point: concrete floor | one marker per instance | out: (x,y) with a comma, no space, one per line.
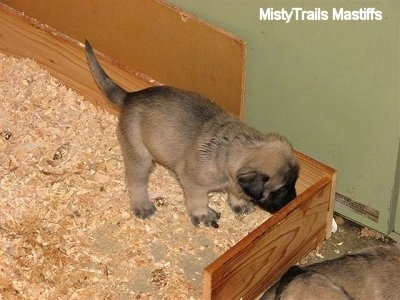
(349,237)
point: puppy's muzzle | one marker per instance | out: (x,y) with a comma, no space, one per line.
(277,199)
(253,184)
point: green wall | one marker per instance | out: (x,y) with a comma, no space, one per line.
(332,87)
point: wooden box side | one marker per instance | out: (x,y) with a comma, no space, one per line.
(258,260)
(63,57)
(153,38)
(310,171)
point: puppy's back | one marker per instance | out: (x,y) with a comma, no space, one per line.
(372,273)
(171,100)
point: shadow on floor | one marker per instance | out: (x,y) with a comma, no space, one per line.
(349,237)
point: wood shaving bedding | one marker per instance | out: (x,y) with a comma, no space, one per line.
(66,229)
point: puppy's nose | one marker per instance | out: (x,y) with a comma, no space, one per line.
(292,193)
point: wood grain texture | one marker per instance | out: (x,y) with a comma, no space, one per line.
(258,260)
(156,39)
(311,171)
(63,57)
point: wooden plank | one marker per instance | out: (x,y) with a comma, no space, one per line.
(153,38)
(329,215)
(61,56)
(257,261)
(311,170)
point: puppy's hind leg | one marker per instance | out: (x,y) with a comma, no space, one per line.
(137,171)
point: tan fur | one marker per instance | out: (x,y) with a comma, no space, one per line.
(207,148)
(373,273)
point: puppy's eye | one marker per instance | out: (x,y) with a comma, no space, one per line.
(249,175)
(252,183)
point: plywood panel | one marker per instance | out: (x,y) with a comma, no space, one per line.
(261,257)
(310,172)
(63,57)
(155,39)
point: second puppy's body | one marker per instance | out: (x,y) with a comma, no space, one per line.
(372,273)
(206,147)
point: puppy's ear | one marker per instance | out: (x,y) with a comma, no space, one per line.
(287,278)
(292,175)
(252,183)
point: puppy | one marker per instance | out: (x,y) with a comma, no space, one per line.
(372,273)
(207,148)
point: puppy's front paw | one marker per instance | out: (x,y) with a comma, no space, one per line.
(242,208)
(144,212)
(208,218)
(239,205)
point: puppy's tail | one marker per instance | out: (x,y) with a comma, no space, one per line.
(114,92)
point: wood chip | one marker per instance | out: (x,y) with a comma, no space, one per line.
(66,229)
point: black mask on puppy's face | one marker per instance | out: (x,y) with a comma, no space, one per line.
(257,187)
(278,198)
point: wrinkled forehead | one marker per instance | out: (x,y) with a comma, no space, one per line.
(279,165)
(286,174)
(276,181)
